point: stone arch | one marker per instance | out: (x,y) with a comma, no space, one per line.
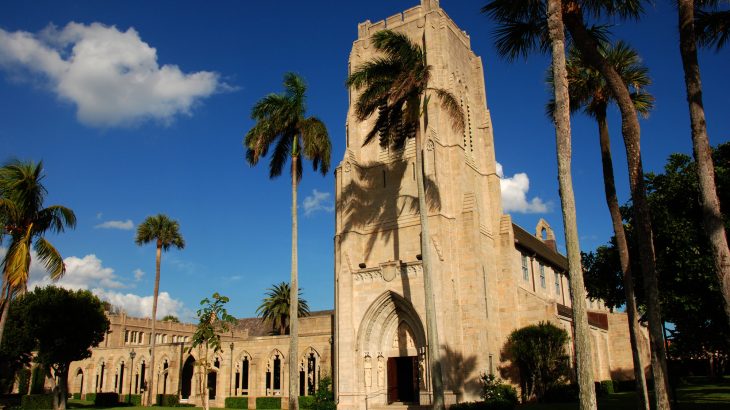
(188,371)
(274,377)
(121,374)
(388,316)
(163,375)
(309,371)
(78,386)
(543,231)
(100,379)
(242,373)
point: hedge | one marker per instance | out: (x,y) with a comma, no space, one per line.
(236,403)
(23,380)
(76,396)
(306,402)
(109,399)
(604,387)
(268,402)
(134,399)
(90,397)
(167,400)
(480,405)
(37,401)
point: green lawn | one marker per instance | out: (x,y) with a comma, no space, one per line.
(80,404)
(697,395)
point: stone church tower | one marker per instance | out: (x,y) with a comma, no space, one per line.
(380,343)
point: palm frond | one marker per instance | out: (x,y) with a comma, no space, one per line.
(282,151)
(375,70)
(17,261)
(643,101)
(316,143)
(56,218)
(397,46)
(501,10)
(712,28)
(452,107)
(295,88)
(160,228)
(624,9)
(515,39)
(50,258)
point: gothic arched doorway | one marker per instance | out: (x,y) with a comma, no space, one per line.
(187,377)
(391,341)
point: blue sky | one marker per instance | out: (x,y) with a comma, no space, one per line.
(140,107)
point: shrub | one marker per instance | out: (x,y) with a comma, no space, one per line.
(37,380)
(37,401)
(493,389)
(324,398)
(134,399)
(23,380)
(76,396)
(268,402)
(604,387)
(105,399)
(561,393)
(539,353)
(306,402)
(167,400)
(236,402)
(183,405)
(497,404)
(90,397)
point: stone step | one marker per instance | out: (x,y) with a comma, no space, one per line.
(399,406)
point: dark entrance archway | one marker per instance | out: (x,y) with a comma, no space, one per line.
(403,379)
(187,377)
(212,382)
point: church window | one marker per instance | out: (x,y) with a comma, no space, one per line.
(557,283)
(277,373)
(244,376)
(525,271)
(542,275)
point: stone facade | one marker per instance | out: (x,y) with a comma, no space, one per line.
(252,363)
(490,276)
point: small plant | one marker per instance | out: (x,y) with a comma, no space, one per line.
(493,389)
(324,398)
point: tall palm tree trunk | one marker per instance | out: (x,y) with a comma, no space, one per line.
(632,135)
(294,291)
(434,355)
(584,369)
(153,338)
(6,293)
(623,251)
(711,215)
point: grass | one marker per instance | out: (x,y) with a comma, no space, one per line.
(81,404)
(696,394)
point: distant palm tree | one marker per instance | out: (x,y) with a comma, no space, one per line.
(275,307)
(708,28)
(170,318)
(25,221)
(589,92)
(397,88)
(281,122)
(164,232)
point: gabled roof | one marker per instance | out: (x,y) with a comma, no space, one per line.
(533,245)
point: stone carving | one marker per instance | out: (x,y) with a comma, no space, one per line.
(381,371)
(368,371)
(429,145)
(348,167)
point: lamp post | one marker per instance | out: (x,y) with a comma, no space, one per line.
(132,354)
(230,379)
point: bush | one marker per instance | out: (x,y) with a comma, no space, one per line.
(105,399)
(236,402)
(268,402)
(306,402)
(37,380)
(324,398)
(76,396)
(23,380)
(167,400)
(183,405)
(604,387)
(497,404)
(561,393)
(493,390)
(134,399)
(90,397)
(37,401)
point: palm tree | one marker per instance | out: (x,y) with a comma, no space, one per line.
(165,233)
(544,24)
(714,28)
(280,121)
(523,28)
(396,87)
(275,307)
(589,92)
(25,222)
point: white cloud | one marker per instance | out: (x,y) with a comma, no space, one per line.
(112,76)
(514,194)
(81,273)
(138,273)
(127,225)
(141,306)
(318,201)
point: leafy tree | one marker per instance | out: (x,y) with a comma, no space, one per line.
(590,93)
(523,26)
(689,288)
(213,319)
(493,389)
(63,326)
(164,232)
(171,318)
(25,221)
(275,307)
(16,347)
(396,89)
(281,121)
(539,353)
(324,397)
(710,26)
